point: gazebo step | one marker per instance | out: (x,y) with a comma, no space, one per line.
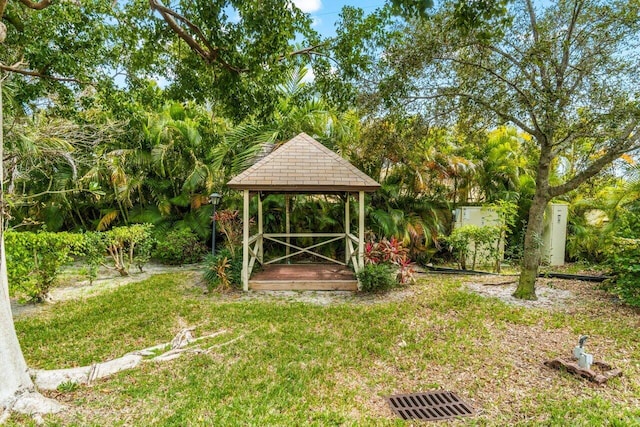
(304,277)
(298,285)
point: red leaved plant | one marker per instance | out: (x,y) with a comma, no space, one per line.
(393,252)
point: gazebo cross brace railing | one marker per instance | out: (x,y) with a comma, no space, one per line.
(253,245)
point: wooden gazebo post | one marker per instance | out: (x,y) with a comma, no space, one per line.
(301,166)
(360,231)
(245,241)
(347,227)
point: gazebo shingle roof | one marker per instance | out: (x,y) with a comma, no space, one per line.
(302,164)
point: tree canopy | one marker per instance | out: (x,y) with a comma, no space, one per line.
(563,73)
(118,113)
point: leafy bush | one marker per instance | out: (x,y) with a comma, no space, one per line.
(34,260)
(588,240)
(223,270)
(507,213)
(377,277)
(94,249)
(624,259)
(129,245)
(474,243)
(391,252)
(627,222)
(179,247)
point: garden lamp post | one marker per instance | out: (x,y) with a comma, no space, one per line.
(215,199)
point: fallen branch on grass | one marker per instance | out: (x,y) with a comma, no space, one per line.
(510,282)
(52,379)
(223,344)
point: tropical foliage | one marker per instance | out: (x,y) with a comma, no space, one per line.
(201,92)
(34,260)
(119,118)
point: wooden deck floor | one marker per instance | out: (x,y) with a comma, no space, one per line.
(304,277)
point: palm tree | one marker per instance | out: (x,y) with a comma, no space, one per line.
(45,158)
(503,163)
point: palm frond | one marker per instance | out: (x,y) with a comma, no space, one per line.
(107,219)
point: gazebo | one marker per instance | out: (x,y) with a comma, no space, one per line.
(302,165)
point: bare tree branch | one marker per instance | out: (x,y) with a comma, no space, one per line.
(523,67)
(506,81)
(201,46)
(536,37)
(18,70)
(36,5)
(566,45)
(449,92)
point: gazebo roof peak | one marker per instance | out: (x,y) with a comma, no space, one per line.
(303,165)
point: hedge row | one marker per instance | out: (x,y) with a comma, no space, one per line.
(34,259)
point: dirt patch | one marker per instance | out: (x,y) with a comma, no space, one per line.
(549,297)
(553,294)
(506,373)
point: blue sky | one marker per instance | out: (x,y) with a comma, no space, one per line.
(325,12)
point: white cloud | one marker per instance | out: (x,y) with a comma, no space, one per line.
(308,6)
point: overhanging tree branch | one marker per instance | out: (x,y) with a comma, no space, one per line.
(311,50)
(594,168)
(506,116)
(18,70)
(493,73)
(201,46)
(36,5)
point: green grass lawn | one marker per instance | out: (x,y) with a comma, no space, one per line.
(299,363)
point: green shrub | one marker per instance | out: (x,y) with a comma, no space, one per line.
(179,247)
(377,277)
(94,249)
(624,260)
(471,242)
(34,260)
(223,270)
(129,245)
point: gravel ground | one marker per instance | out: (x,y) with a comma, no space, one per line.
(549,296)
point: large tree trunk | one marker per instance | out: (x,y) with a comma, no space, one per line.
(532,248)
(14,376)
(17,392)
(533,236)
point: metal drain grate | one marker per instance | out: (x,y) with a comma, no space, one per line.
(432,405)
